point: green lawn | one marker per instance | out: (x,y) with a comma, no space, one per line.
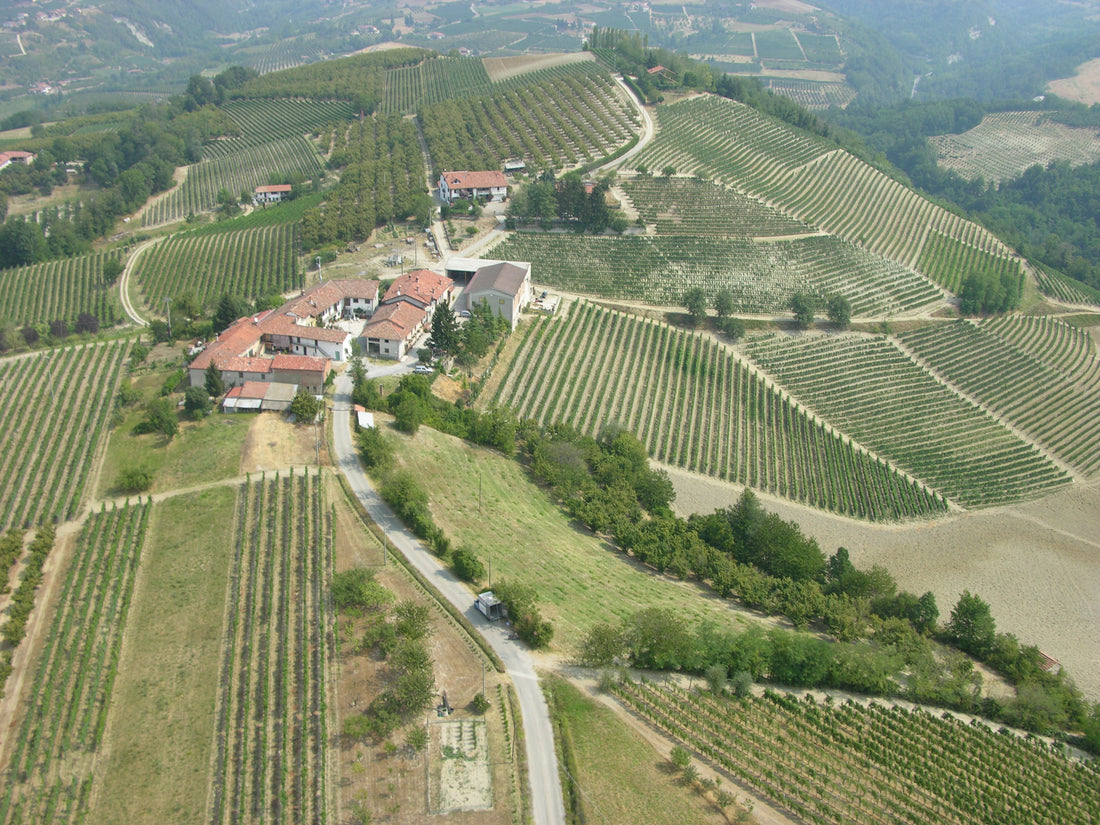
(580,579)
(161,724)
(622,778)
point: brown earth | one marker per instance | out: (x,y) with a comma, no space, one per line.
(1083,87)
(273,442)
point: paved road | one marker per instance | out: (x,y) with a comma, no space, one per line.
(546,796)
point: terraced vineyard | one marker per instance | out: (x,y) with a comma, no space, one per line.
(272,738)
(871,390)
(696,406)
(264,120)
(40,293)
(1005,144)
(250,263)
(52,767)
(410,87)
(686,206)
(552,118)
(1061,288)
(1047,388)
(804,176)
(949,262)
(54,407)
(762,276)
(239,172)
(853,765)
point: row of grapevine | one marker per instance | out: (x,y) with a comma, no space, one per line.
(695,405)
(54,407)
(854,765)
(762,276)
(410,87)
(286,54)
(59,290)
(250,263)
(870,389)
(570,119)
(1005,144)
(271,737)
(805,176)
(237,173)
(53,757)
(1067,349)
(686,206)
(1061,288)
(949,262)
(1043,401)
(262,121)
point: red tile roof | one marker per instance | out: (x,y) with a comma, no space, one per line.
(394,322)
(323,296)
(275,187)
(284,325)
(233,342)
(254,389)
(420,285)
(299,363)
(475,180)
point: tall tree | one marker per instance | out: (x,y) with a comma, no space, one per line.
(695,301)
(212,381)
(723,303)
(971,626)
(839,310)
(445,333)
(803,306)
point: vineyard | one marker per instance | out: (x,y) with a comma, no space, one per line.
(852,765)
(948,262)
(686,206)
(51,770)
(237,173)
(695,405)
(433,81)
(1005,144)
(805,176)
(250,263)
(762,276)
(871,390)
(551,118)
(271,739)
(1061,288)
(286,54)
(1046,386)
(61,289)
(54,407)
(811,94)
(263,121)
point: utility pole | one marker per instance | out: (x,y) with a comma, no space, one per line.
(168,312)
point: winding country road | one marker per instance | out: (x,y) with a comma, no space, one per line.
(546,795)
(124,283)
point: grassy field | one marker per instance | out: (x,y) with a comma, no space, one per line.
(162,715)
(532,540)
(620,776)
(203,451)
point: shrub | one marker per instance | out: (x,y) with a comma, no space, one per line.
(135,480)
(467,565)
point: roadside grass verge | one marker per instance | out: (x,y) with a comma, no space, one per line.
(524,536)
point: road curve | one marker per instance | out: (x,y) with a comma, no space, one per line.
(546,796)
(124,282)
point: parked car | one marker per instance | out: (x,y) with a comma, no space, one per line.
(423,369)
(464,314)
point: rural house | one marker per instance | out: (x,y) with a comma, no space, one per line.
(273,193)
(404,312)
(491,185)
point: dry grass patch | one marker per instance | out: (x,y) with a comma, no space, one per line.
(503,68)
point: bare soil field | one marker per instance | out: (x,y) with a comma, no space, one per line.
(1037,563)
(502,68)
(789,6)
(1083,87)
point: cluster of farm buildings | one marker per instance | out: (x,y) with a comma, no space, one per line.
(265,357)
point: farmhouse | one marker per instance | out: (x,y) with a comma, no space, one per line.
(504,286)
(270,194)
(491,185)
(16,156)
(404,312)
(286,345)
